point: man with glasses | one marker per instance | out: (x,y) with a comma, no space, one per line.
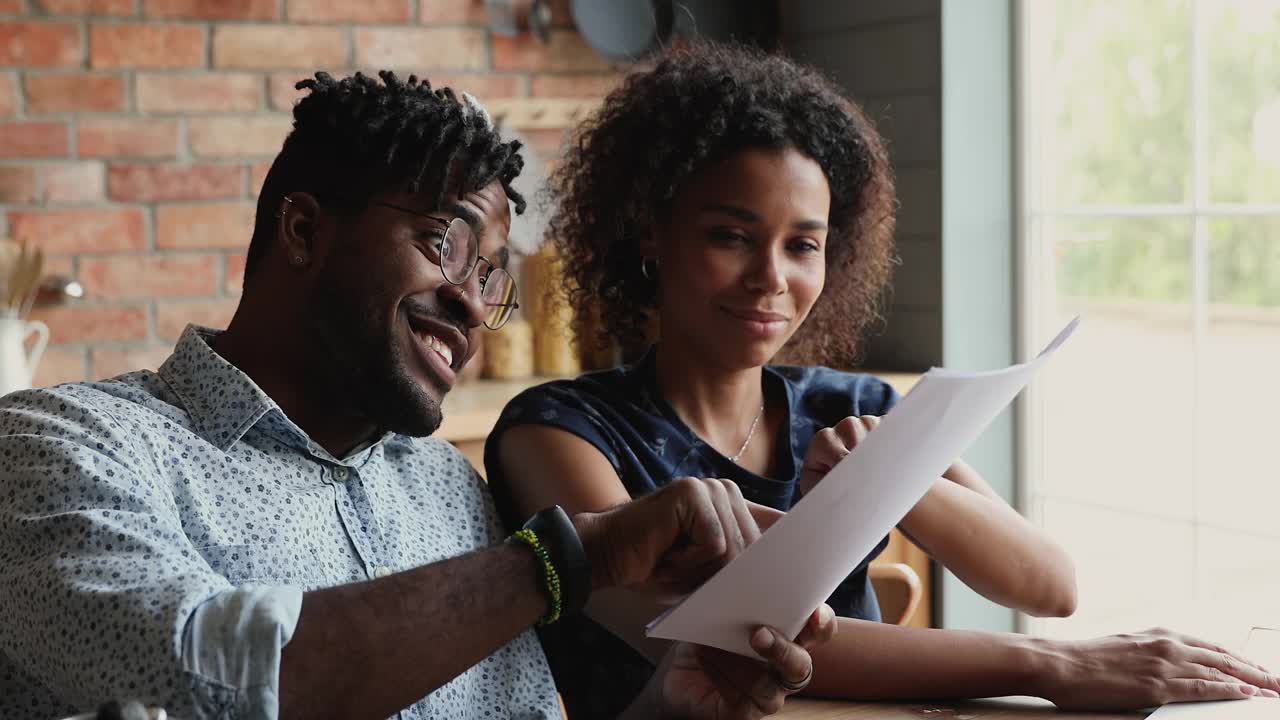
(263,529)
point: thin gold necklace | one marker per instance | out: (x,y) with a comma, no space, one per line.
(750,434)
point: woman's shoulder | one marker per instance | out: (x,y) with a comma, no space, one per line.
(829,392)
(598,394)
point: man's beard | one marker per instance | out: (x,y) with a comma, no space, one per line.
(364,363)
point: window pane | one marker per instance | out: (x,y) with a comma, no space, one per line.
(1116,100)
(1243,93)
(1114,430)
(1239,386)
(1133,570)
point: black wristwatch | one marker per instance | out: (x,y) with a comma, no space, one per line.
(554,528)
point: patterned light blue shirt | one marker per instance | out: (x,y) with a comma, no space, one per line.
(157,531)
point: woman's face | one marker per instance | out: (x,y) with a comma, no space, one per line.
(743,258)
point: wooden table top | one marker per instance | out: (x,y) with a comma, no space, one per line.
(1002,708)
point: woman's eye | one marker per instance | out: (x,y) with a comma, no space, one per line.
(728,237)
(806,246)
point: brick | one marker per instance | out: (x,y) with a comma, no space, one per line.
(420,49)
(127,137)
(59,365)
(258,175)
(78,183)
(211,9)
(17,184)
(238,137)
(87,7)
(367,11)
(147,276)
(13,7)
(173,317)
(71,92)
(167,183)
(482,85)
(281,92)
(565,52)
(85,323)
(66,232)
(145,45)
(222,225)
(575,85)
(450,12)
(37,44)
(279,46)
(8,96)
(34,139)
(233,275)
(108,362)
(205,92)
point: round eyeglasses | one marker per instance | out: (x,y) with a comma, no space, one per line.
(457,253)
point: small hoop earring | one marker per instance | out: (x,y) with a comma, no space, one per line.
(648,274)
(297,260)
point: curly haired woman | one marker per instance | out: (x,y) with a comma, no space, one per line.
(728,207)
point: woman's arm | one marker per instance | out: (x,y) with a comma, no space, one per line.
(965,525)
(874,661)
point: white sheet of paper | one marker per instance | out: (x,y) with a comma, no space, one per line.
(797,564)
(1251,709)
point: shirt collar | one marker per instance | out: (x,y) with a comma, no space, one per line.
(222,401)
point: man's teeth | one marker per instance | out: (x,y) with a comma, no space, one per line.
(439,346)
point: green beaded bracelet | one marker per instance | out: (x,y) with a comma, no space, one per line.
(550,578)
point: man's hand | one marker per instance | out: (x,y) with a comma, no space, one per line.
(668,541)
(704,683)
(830,445)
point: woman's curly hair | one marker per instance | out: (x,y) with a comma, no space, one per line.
(696,106)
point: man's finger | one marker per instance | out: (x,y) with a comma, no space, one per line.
(789,663)
(733,538)
(699,522)
(742,512)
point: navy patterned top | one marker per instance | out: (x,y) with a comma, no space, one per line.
(157,531)
(622,413)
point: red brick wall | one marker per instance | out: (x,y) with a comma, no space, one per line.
(134,135)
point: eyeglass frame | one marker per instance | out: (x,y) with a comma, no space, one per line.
(448,224)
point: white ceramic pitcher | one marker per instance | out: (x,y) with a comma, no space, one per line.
(17,363)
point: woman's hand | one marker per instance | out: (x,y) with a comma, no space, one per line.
(1128,672)
(830,445)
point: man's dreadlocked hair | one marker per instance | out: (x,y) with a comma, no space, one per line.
(696,106)
(355,137)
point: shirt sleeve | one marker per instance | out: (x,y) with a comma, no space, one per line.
(102,592)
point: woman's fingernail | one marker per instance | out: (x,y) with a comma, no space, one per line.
(763,639)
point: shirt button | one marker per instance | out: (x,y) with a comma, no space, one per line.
(340,474)
(381,571)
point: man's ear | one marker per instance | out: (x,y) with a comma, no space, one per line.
(298,216)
